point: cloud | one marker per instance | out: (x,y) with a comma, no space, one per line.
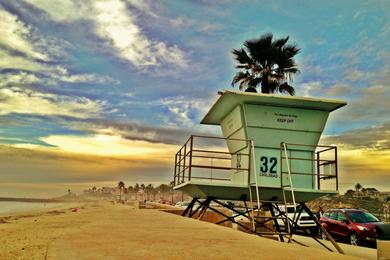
(23,101)
(134,131)
(47,167)
(181,111)
(26,57)
(186,23)
(144,6)
(307,89)
(109,145)
(339,89)
(64,76)
(22,77)
(376,138)
(116,25)
(385,29)
(365,167)
(372,105)
(9,61)
(13,36)
(212,2)
(58,74)
(63,11)
(316,89)
(354,74)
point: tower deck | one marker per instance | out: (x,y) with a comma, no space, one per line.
(226,191)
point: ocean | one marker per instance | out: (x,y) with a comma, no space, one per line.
(12,207)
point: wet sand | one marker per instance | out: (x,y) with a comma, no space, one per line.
(115,231)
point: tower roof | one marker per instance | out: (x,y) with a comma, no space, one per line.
(230,99)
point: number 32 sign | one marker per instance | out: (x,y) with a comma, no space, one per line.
(268,166)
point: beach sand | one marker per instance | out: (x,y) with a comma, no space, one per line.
(114,231)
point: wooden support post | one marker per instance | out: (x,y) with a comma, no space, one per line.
(189,207)
(271,209)
(328,236)
(206,204)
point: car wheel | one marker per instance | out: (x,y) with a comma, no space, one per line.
(353,239)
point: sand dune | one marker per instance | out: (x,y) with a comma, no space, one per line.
(107,231)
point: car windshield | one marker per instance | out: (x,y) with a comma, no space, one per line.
(361,217)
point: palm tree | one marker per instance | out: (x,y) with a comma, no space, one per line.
(358,187)
(142,188)
(149,189)
(136,190)
(266,61)
(171,185)
(131,191)
(121,185)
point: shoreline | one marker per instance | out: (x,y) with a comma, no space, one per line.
(11,199)
(14,215)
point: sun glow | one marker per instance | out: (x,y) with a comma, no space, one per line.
(108,145)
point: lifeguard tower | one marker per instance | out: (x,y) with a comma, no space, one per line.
(272,156)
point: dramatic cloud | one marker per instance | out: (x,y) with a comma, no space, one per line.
(109,145)
(51,172)
(26,57)
(374,138)
(13,36)
(369,168)
(114,23)
(23,101)
(183,112)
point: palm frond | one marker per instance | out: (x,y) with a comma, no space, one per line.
(240,76)
(291,50)
(241,56)
(286,88)
(258,47)
(253,82)
(279,43)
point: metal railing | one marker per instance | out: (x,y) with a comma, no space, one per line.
(324,159)
(204,158)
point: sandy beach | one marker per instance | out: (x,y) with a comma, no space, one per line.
(113,231)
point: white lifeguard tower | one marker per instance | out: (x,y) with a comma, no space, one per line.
(272,153)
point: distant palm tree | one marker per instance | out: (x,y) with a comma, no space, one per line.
(171,185)
(121,185)
(149,189)
(267,62)
(131,191)
(142,188)
(136,190)
(358,187)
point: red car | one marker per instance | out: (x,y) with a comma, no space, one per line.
(357,225)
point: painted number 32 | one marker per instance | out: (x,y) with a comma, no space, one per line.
(268,165)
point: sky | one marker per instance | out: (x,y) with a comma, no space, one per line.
(93,92)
